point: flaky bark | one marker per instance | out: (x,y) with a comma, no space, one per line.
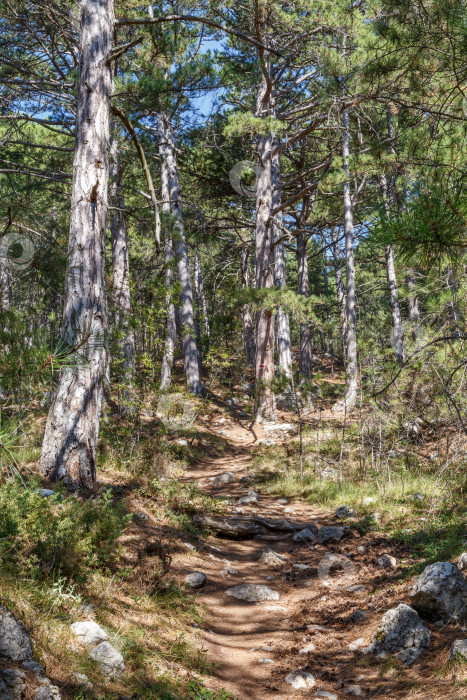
(70,439)
(121,275)
(187,318)
(247,321)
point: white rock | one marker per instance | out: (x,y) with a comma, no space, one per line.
(458,648)
(222,479)
(325,694)
(109,659)
(266,661)
(353,690)
(386,561)
(183,443)
(300,680)
(89,633)
(271,558)
(307,649)
(196,580)
(462,562)
(252,592)
(368,501)
(266,442)
(400,632)
(357,644)
(440,591)
(15,644)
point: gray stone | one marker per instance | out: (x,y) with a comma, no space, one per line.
(34,666)
(283,501)
(353,690)
(330,533)
(358,617)
(400,632)
(15,644)
(183,443)
(266,661)
(222,479)
(304,535)
(47,691)
(82,680)
(251,497)
(462,562)
(308,648)
(325,694)
(386,561)
(345,512)
(196,580)
(266,442)
(109,659)
(46,493)
(271,558)
(329,474)
(300,680)
(458,649)
(252,592)
(280,430)
(12,684)
(440,592)
(89,633)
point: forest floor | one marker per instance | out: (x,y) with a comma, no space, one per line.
(181,644)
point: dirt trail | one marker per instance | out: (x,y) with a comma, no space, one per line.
(256,645)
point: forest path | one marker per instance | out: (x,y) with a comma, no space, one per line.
(254,646)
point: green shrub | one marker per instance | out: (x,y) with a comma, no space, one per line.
(57,535)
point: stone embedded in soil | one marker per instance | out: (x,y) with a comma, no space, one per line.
(266,661)
(283,501)
(357,644)
(325,694)
(109,659)
(458,649)
(196,580)
(252,592)
(300,680)
(440,591)
(345,512)
(462,562)
(330,533)
(251,497)
(15,644)
(304,536)
(12,684)
(223,479)
(266,442)
(358,617)
(386,561)
(400,632)
(271,558)
(89,633)
(353,690)
(307,649)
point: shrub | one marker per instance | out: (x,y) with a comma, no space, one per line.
(60,535)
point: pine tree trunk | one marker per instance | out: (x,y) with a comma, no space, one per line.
(328,310)
(187,317)
(340,291)
(171,321)
(306,355)
(397,329)
(202,295)
(351,313)
(121,276)
(412,301)
(284,355)
(265,398)
(247,321)
(71,433)
(4,287)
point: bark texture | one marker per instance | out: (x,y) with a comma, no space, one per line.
(247,321)
(340,291)
(412,301)
(70,439)
(187,318)
(306,361)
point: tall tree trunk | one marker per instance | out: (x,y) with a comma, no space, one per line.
(352,362)
(71,433)
(284,354)
(201,295)
(121,276)
(171,321)
(306,355)
(265,398)
(412,301)
(340,291)
(247,321)
(187,318)
(4,286)
(328,310)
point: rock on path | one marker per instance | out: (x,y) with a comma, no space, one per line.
(300,680)
(440,592)
(252,592)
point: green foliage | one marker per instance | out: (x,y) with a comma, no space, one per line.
(57,536)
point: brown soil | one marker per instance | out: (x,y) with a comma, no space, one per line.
(235,632)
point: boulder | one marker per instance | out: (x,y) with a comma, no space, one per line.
(271,558)
(222,479)
(47,691)
(252,592)
(458,649)
(304,536)
(300,680)
(386,561)
(12,684)
(400,632)
(89,633)
(196,580)
(440,592)
(462,562)
(109,659)
(330,533)
(15,644)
